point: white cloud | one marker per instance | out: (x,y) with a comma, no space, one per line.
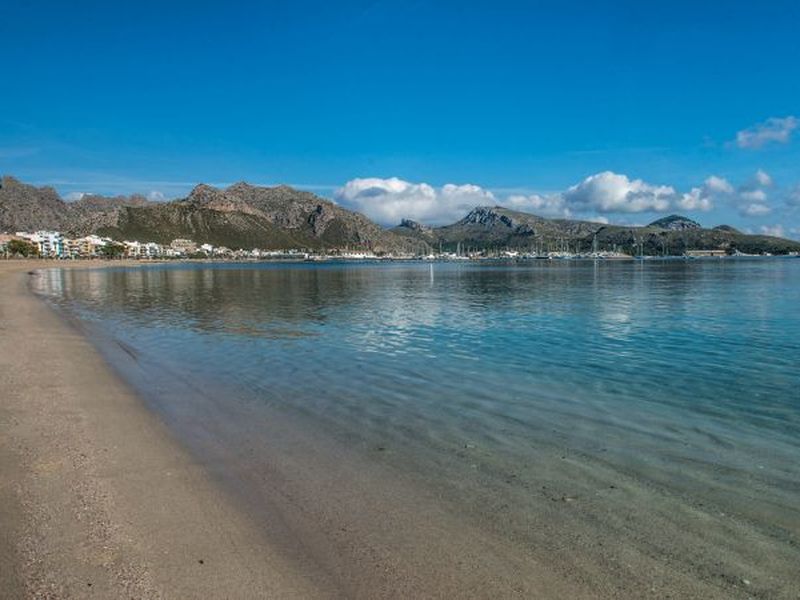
(774,130)
(702,197)
(155,196)
(753,195)
(390,200)
(551,205)
(773,230)
(74,196)
(387,201)
(609,192)
(718,185)
(696,199)
(754,209)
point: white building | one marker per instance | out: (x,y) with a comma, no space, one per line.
(132,249)
(138,249)
(49,243)
(153,250)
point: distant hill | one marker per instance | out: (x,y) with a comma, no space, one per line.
(495,227)
(240,216)
(676,223)
(658,240)
(247,216)
(25,207)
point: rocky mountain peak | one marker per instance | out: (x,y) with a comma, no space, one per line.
(675,223)
(242,188)
(414,225)
(488,216)
(203,192)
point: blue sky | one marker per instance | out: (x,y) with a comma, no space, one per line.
(608,110)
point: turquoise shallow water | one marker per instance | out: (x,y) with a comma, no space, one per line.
(681,376)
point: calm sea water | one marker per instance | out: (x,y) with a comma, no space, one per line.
(682,378)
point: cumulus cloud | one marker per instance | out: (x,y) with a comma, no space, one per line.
(720,185)
(774,130)
(696,199)
(390,200)
(74,196)
(551,205)
(754,209)
(702,197)
(609,192)
(757,195)
(605,192)
(155,196)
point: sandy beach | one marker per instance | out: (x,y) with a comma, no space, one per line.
(96,500)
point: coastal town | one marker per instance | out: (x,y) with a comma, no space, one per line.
(55,245)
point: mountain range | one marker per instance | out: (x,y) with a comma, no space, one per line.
(496,227)
(247,216)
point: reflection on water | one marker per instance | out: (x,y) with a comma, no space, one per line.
(682,375)
(700,340)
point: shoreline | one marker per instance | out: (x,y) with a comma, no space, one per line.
(102,498)
(97,498)
(171,473)
(368,536)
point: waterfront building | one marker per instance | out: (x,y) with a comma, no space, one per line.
(152,250)
(50,244)
(136,249)
(88,246)
(183,246)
